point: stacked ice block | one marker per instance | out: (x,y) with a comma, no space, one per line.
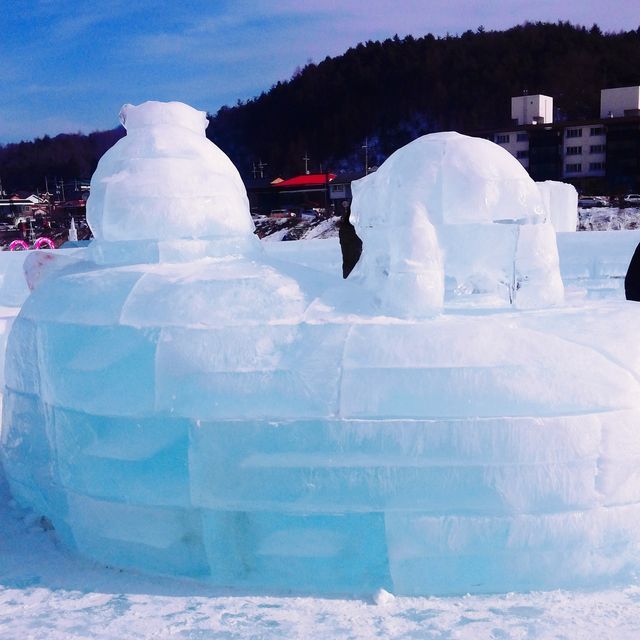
(182,404)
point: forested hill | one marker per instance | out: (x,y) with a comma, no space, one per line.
(387,92)
(25,165)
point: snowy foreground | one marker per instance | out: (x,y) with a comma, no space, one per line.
(46,592)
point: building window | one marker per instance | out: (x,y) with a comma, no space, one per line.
(337,188)
(597,131)
(522,137)
(573,168)
(574,151)
(522,154)
(573,133)
(596,166)
(597,148)
(502,138)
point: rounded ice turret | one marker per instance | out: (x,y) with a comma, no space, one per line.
(458,179)
(454,213)
(166,182)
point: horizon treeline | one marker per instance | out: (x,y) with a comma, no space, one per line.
(386,93)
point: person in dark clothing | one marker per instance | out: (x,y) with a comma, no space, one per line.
(632,279)
(350,244)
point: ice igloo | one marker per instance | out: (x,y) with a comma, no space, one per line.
(180,407)
(428,218)
(163,184)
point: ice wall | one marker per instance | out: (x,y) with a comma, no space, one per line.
(596,262)
(225,416)
(13,286)
(561,202)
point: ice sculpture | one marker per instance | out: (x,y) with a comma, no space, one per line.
(427,217)
(180,403)
(164,185)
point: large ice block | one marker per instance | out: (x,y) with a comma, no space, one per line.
(561,202)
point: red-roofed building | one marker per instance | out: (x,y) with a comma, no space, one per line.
(298,194)
(307,191)
(307,180)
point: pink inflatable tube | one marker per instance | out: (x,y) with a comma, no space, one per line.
(44,242)
(18,245)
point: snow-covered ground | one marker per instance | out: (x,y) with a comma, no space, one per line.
(608,218)
(589,219)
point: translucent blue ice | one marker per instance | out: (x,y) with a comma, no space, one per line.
(181,403)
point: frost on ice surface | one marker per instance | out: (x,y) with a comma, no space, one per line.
(181,402)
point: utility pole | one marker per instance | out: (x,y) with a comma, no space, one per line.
(327,194)
(261,166)
(255,171)
(365,146)
(48,196)
(306,159)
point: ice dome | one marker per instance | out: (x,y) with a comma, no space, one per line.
(165,181)
(454,213)
(217,414)
(458,179)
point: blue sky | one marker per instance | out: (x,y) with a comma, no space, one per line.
(68,65)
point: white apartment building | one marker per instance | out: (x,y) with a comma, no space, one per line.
(620,102)
(573,151)
(536,109)
(584,150)
(525,110)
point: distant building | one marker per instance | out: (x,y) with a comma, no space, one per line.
(307,191)
(22,206)
(536,109)
(262,197)
(599,155)
(340,190)
(620,102)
